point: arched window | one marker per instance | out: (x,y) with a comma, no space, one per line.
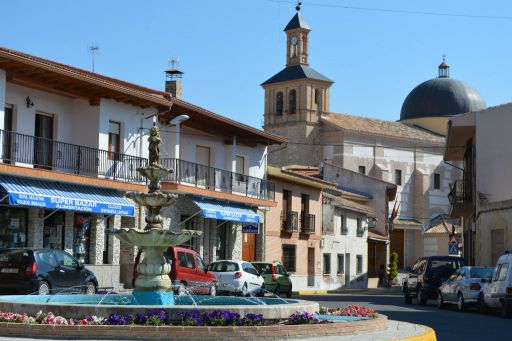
(292,100)
(279,103)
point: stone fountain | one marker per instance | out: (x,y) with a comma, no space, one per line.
(153,284)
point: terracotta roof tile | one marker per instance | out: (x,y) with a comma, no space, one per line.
(381,127)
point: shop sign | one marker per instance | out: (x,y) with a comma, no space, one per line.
(250,228)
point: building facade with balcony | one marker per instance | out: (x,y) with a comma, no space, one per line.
(293,228)
(478,142)
(407,152)
(345,239)
(71,143)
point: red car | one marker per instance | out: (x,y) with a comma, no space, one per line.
(188,271)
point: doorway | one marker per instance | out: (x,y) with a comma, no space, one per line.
(43,144)
(7,135)
(347,270)
(311,266)
(497,244)
(249,247)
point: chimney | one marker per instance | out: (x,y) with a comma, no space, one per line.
(173,80)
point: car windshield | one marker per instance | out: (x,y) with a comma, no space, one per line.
(437,264)
(263,268)
(223,267)
(481,272)
(14,256)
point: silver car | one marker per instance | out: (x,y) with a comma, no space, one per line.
(464,286)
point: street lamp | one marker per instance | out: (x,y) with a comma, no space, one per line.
(371,222)
(177,121)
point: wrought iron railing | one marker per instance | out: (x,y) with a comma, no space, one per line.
(460,193)
(307,223)
(289,221)
(21,149)
(219,180)
(69,158)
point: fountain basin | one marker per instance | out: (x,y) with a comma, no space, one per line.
(80,306)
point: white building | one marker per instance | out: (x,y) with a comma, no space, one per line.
(482,196)
(71,143)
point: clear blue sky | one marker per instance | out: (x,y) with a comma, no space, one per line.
(228,47)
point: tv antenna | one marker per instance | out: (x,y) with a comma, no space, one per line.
(174,63)
(93,48)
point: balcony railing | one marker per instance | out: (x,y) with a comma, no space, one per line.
(461,192)
(69,158)
(37,152)
(219,180)
(289,221)
(307,223)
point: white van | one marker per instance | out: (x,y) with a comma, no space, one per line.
(498,293)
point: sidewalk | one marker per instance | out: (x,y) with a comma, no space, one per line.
(395,290)
(397,330)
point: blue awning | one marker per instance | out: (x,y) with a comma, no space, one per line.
(58,195)
(215,210)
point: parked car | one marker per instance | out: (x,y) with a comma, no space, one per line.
(43,271)
(498,293)
(426,275)
(188,271)
(277,279)
(463,287)
(237,277)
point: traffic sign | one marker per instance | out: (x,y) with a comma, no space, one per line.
(453,249)
(453,240)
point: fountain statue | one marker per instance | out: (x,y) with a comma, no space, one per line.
(153,284)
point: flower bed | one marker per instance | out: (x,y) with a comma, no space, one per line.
(351,310)
(192,324)
(191,318)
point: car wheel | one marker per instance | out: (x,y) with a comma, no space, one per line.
(460,302)
(440,301)
(289,293)
(244,291)
(213,290)
(420,297)
(43,288)
(90,288)
(506,309)
(482,307)
(278,289)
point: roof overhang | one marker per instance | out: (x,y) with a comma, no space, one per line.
(461,129)
(42,74)
(292,177)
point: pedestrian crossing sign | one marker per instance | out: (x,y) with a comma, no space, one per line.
(453,249)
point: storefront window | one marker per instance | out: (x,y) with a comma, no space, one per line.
(13,227)
(53,230)
(82,235)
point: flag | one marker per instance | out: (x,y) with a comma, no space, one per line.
(392,217)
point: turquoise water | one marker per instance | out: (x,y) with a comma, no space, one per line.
(120,299)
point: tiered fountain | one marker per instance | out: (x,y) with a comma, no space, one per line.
(153,285)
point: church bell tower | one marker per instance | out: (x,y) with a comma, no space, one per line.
(297,32)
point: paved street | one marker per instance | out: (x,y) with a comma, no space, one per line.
(448,323)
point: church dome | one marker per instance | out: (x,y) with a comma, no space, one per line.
(442,96)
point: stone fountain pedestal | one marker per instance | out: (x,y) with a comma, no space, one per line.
(153,284)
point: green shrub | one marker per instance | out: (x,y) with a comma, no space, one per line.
(393,266)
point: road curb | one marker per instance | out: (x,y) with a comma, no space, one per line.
(428,335)
(310,292)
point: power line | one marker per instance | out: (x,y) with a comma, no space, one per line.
(399,11)
(346,144)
